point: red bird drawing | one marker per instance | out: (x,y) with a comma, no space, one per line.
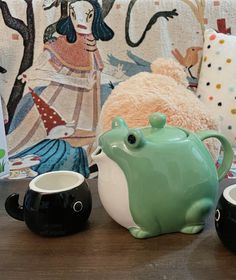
(189,60)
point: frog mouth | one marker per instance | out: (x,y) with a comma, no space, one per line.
(97,153)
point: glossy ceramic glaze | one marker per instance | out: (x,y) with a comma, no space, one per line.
(55,204)
(113,184)
(169,174)
(225,218)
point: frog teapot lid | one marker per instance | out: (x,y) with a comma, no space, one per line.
(158,131)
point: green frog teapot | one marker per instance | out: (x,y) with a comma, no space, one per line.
(158,179)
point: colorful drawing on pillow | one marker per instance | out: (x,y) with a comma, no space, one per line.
(66,80)
(20,167)
(51,29)
(117,70)
(110,78)
(27,31)
(48,4)
(2,162)
(54,124)
(137,65)
(163,14)
(49,155)
(189,60)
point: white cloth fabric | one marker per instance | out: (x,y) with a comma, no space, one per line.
(175,37)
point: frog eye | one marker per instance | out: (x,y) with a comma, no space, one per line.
(135,138)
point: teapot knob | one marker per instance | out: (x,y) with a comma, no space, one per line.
(157,120)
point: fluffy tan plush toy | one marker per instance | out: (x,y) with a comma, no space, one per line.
(164,90)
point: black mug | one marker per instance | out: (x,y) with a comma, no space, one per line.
(225,218)
(55,204)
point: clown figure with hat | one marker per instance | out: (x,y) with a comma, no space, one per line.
(63,84)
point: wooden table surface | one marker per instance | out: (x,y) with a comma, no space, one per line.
(107,251)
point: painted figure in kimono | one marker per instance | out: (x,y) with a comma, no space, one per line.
(57,116)
(66,79)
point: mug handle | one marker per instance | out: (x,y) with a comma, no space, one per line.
(228,151)
(13,208)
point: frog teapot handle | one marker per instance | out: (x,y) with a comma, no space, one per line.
(228,152)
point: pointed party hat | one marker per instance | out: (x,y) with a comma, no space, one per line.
(48,115)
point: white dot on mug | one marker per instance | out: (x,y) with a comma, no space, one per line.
(78,206)
(217,215)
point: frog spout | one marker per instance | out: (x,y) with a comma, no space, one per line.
(98,155)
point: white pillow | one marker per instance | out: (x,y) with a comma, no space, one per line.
(217,81)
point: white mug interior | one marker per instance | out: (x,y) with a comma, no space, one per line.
(230,194)
(56,181)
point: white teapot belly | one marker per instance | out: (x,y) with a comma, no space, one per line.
(113,191)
